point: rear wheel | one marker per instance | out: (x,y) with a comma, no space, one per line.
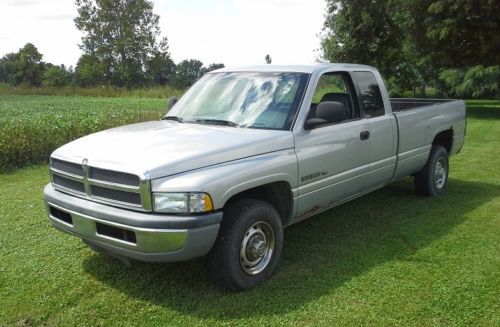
(432,179)
(248,247)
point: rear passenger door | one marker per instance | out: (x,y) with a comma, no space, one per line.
(381,129)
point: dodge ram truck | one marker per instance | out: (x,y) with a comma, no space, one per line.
(244,153)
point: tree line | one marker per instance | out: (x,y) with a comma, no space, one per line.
(26,68)
(452,47)
(121,47)
(449,47)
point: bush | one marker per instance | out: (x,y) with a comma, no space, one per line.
(56,76)
(474,82)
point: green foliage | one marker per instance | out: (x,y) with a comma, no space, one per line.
(122,48)
(214,66)
(89,71)
(188,72)
(365,32)
(31,127)
(56,76)
(457,33)
(123,36)
(412,42)
(4,75)
(23,67)
(103,91)
(161,69)
(475,82)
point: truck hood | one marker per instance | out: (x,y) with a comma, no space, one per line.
(161,148)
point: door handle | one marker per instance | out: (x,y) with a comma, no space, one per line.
(365,135)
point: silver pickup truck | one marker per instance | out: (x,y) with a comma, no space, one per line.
(243,154)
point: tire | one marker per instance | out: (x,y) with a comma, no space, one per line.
(234,259)
(432,179)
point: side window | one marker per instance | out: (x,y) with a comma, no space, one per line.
(333,87)
(371,98)
(329,83)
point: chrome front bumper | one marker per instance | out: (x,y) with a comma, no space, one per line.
(130,234)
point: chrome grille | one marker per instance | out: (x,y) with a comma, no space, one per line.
(67,167)
(69,184)
(113,177)
(121,196)
(101,185)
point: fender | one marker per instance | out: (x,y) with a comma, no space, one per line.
(225,180)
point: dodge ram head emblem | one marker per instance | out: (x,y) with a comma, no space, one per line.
(85,163)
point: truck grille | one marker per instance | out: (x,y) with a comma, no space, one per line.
(67,167)
(101,185)
(114,177)
(121,196)
(69,184)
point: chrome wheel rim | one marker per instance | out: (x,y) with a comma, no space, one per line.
(257,248)
(440,173)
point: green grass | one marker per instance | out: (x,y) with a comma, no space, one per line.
(31,127)
(388,258)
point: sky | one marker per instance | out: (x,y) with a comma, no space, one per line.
(233,32)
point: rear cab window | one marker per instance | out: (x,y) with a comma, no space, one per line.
(372,104)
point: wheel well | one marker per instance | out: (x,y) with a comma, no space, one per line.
(444,138)
(277,194)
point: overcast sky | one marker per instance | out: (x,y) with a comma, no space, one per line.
(234,32)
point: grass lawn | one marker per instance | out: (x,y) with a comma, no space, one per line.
(388,258)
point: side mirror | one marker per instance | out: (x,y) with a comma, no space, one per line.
(311,123)
(327,112)
(171,102)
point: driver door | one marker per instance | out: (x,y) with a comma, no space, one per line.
(332,157)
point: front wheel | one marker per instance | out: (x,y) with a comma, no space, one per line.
(432,179)
(248,247)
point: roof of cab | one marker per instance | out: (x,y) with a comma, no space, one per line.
(294,68)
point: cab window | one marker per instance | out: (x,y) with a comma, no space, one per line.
(334,87)
(371,98)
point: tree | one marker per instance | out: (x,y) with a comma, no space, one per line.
(122,35)
(476,82)
(56,76)
(214,66)
(24,67)
(412,42)
(458,33)
(6,67)
(90,71)
(268,59)
(365,32)
(188,72)
(160,67)
(4,76)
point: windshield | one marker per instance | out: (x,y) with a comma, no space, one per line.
(243,99)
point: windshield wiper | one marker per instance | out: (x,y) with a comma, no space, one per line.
(179,119)
(218,122)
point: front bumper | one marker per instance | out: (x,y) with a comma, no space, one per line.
(130,234)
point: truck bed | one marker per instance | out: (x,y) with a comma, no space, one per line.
(402,104)
(418,128)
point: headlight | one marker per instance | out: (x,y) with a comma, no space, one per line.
(182,202)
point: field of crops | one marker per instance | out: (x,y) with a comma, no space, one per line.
(31,127)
